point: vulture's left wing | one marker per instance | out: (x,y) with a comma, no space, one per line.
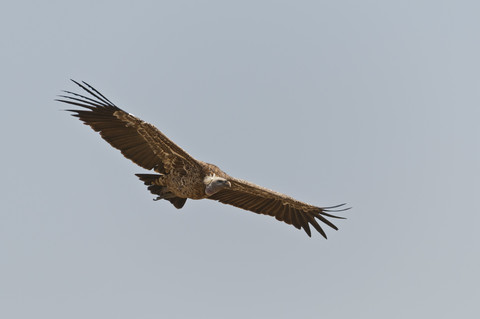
(138,141)
(264,201)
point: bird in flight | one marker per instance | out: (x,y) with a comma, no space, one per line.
(178,176)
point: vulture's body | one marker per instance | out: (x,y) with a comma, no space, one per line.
(178,175)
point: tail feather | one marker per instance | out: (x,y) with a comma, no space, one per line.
(148,179)
(153,181)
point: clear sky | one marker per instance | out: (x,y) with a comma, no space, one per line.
(373,103)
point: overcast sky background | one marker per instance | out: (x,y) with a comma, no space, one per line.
(373,103)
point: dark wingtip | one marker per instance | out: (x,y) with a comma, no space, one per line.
(76,82)
(306,228)
(336,206)
(333,209)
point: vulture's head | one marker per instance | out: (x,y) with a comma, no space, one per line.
(214,184)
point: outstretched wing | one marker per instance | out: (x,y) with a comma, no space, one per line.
(261,200)
(138,141)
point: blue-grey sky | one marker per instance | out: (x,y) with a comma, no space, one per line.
(373,103)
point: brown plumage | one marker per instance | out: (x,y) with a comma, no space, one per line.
(180,176)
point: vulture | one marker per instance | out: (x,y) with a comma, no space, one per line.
(177,175)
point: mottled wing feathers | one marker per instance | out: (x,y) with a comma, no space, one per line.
(261,200)
(138,141)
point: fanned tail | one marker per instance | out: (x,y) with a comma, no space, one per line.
(162,192)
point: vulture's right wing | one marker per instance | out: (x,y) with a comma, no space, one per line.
(138,141)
